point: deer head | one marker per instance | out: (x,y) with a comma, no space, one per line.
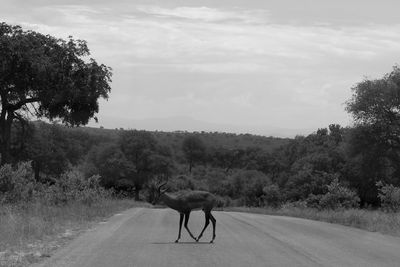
(159,192)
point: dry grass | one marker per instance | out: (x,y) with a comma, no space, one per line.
(31,231)
(370,220)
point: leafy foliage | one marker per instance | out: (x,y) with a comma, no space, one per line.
(248,186)
(377,101)
(241,169)
(193,149)
(374,142)
(339,197)
(46,77)
(272,195)
(73,186)
(389,196)
(110,163)
(18,184)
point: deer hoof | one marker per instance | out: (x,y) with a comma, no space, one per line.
(176,241)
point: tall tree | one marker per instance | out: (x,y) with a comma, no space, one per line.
(43,76)
(375,141)
(110,163)
(377,101)
(194,150)
(140,149)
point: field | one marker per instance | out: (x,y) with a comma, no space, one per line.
(31,231)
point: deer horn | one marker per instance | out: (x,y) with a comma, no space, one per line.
(162,185)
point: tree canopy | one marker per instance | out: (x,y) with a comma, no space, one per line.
(375,140)
(43,76)
(377,101)
(194,150)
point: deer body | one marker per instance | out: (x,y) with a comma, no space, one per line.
(186,201)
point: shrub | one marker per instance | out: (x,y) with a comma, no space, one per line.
(337,197)
(272,195)
(17,184)
(73,186)
(222,202)
(389,196)
(182,182)
(300,204)
(307,181)
(313,201)
(248,185)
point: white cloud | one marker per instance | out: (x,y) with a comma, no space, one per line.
(227,64)
(212,40)
(208,14)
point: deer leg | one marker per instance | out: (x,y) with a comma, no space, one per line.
(207,216)
(186,224)
(213,220)
(180,226)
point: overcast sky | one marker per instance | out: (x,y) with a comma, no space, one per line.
(285,64)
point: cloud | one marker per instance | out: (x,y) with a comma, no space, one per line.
(211,39)
(222,63)
(208,14)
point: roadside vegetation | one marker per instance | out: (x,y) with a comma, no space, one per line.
(58,178)
(37,218)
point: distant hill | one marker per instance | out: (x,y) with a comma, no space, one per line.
(183,123)
(211,139)
(89,136)
(226,140)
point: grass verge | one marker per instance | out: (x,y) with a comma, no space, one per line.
(32,231)
(370,220)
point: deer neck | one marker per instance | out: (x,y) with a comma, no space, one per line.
(170,201)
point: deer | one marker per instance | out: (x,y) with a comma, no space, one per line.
(186,201)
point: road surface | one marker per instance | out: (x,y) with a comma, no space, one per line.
(145,237)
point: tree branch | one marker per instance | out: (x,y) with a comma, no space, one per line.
(21,103)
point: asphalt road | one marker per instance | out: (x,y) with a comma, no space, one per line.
(145,237)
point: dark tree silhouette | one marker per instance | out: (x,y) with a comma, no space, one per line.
(194,150)
(375,140)
(42,76)
(141,151)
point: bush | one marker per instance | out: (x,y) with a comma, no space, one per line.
(300,204)
(389,196)
(73,186)
(248,185)
(272,195)
(307,181)
(17,184)
(313,201)
(337,197)
(182,182)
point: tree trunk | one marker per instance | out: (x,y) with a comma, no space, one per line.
(190,166)
(5,138)
(36,168)
(138,187)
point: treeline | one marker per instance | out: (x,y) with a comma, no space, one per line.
(42,76)
(129,160)
(331,168)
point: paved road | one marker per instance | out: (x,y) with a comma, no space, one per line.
(144,237)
